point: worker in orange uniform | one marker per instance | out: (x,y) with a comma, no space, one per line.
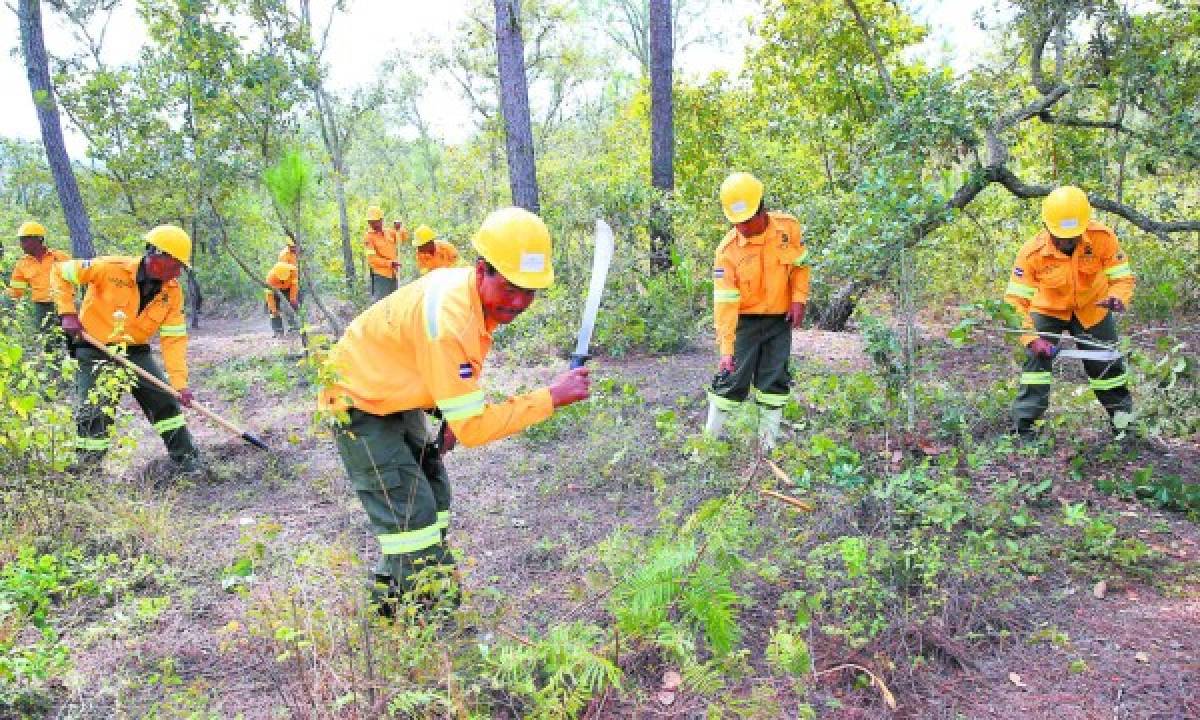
(422,349)
(127,301)
(31,276)
(1072,277)
(433,253)
(381,252)
(289,254)
(760,291)
(283,283)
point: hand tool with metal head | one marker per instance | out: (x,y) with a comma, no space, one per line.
(600,262)
(175,394)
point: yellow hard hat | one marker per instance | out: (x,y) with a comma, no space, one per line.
(291,241)
(1066,212)
(31,228)
(741,194)
(282,271)
(173,241)
(374,213)
(517,243)
(423,234)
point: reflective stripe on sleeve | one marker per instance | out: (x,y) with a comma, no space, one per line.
(443,520)
(171,423)
(433,306)
(20,285)
(412,541)
(70,271)
(1037,378)
(173,330)
(1118,271)
(802,259)
(1108,383)
(1022,291)
(463,406)
(726,296)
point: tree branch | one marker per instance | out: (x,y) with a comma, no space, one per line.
(880,66)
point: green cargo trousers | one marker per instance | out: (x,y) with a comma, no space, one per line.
(284,310)
(45,321)
(382,286)
(94,420)
(761,350)
(1108,380)
(399,477)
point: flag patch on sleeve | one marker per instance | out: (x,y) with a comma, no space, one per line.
(1018,272)
(465,371)
(719,273)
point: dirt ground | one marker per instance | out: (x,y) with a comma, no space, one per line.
(1141,649)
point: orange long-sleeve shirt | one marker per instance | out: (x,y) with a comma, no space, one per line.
(33,276)
(381,251)
(286,278)
(1047,282)
(288,255)
(111,288)
(760,275)
(422,347)
(444,255)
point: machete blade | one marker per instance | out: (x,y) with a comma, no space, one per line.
(591,308)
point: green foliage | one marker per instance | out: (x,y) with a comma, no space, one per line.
(1167,491)
(289,180)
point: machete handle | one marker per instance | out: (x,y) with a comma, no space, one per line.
(578,361)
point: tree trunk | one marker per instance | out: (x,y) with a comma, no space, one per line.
(841,306)
(339,189)
(514,101)
(33,46)
(662,132)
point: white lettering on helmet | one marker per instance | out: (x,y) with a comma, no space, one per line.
(533,262)
(1069,223)
(737,207)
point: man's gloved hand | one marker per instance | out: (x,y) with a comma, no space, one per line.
(726,364)
(71,326)
(1041,347)
(186,396)
(1112,303)
(295,305)
(795,314)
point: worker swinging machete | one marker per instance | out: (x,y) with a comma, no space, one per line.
(600,262)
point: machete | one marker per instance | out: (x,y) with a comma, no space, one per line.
(600,263)
(1100,355)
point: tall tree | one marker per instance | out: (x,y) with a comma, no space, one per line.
(514,104)
(33,47)
(662,132)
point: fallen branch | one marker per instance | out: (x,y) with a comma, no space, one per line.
(888,698)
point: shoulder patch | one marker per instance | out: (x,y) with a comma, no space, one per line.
(466,371)
(718,273)
(1018,272)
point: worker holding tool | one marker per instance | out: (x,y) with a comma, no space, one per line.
(760,291)
(380,247)
(283,283)
(1071,277)
(400,232)
(432,252)
(127,301)
(423,348)
(31,275)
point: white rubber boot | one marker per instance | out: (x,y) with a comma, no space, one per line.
(716,418)
(769,420)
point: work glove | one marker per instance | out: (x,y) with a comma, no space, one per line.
(185,397)
(795,314)
(1113,303)
(726,364)
(295,305)
(71,326)
(1041,347)
(571,387)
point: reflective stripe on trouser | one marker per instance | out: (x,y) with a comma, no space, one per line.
(761,350)
(162,410)
(1107,379)
(402,484)
(382,286)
